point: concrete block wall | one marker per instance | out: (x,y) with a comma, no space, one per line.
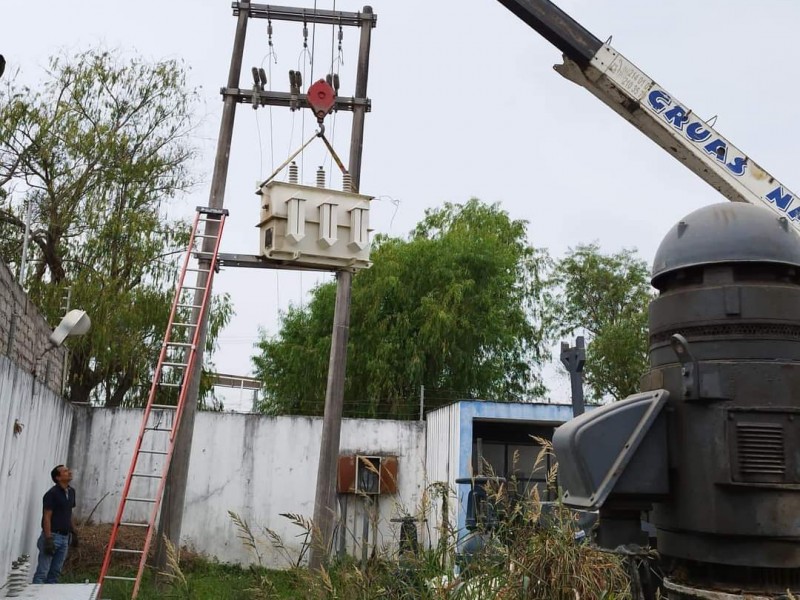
(24,332)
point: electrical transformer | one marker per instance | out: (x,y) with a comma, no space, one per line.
(314,227)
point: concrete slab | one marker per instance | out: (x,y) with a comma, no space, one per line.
(61,591)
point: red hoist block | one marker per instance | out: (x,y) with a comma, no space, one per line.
(321,98)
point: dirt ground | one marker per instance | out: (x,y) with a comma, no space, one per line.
(93,539)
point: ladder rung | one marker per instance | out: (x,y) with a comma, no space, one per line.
(148,476)
(192,287)
(130,499)
(127,551)
(120,578)
(190,306)
(174,364)
(185,344)
(123,523)
(165,384)
(164,406)
(203,235)
(157,429)
(184,324)
(210,210)
(159,452)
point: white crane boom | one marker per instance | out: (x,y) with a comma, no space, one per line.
(654,111)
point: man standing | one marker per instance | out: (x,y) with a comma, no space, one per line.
(57,530)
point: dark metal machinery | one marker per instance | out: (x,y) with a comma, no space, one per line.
(712,443)
(574,358)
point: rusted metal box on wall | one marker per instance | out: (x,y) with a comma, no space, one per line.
(367,474)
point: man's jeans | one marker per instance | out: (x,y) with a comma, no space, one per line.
(49,567)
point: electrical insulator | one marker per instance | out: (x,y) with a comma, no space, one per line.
(294,88)
(320,177)
(293,172)
(347,183)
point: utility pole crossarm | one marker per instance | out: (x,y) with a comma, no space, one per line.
(285,99)
(307,15)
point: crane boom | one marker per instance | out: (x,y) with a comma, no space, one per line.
(654,111)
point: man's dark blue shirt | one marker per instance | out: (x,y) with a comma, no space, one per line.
(61,502)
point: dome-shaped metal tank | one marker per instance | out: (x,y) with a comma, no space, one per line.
(723,233)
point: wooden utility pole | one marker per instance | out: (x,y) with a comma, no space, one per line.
(325,497)
(175,488)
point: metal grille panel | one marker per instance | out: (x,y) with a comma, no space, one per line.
(760,449)
(737,330)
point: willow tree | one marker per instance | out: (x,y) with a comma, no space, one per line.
(453,308)
(97,155)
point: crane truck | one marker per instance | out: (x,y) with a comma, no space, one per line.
(654,111)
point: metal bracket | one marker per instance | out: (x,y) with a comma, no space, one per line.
(701,381)
(285,99)
(689,366)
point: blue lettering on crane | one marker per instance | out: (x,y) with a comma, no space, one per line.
(717,149)
(695,130)
(677,116)
(782,200)
(697,133)
(737,165)
(658,100)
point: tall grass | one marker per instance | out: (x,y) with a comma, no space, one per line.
(530,554)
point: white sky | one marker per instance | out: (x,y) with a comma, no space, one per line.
(465,103)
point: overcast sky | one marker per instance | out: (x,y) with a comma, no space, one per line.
(465,103)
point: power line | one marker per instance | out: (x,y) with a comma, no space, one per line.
(313,40)
(260,148)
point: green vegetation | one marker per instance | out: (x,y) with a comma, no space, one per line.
(467,308)
(201,580)
(98,152)
(453,308)
(605,297)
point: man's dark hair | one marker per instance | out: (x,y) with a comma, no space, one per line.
(54,473)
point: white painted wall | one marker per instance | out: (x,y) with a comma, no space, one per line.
(254,465)
(27,458)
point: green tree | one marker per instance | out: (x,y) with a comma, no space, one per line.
(606,296)
(99,152)
(453,308)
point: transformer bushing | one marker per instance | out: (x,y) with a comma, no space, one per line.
(712,444)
